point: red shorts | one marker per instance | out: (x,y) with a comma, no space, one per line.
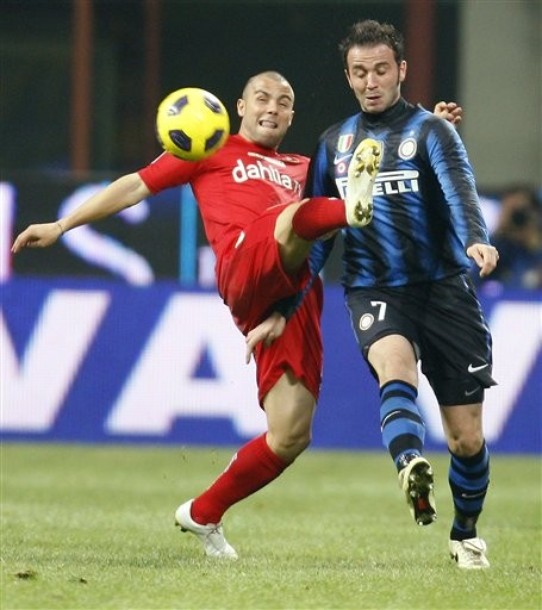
(250,274)
(251,279)
(299,348)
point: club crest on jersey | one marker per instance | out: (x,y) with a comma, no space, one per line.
(366,321)
(345,142)
(407,149)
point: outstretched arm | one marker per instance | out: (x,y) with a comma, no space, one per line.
(122,193)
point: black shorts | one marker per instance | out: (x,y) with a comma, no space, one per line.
(446,326)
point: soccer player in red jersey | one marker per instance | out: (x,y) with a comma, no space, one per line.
(261,233)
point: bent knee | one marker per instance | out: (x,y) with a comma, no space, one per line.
(465,445)
(290,445)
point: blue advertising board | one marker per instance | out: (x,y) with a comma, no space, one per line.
(99,361)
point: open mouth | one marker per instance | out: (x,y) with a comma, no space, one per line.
(268,124)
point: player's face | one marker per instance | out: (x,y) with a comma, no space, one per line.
(375,77)
(266,111)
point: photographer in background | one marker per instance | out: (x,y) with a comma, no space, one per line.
(518,239)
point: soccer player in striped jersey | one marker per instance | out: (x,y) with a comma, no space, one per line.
(406,278)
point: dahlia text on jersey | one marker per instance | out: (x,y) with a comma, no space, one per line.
(262,171)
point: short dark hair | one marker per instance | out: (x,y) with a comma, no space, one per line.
(372,33)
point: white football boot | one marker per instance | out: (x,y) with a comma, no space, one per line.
(362,172)
(469,554)
(210,535)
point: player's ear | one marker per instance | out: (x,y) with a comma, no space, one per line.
(291,118)
(402,71)
(241,107)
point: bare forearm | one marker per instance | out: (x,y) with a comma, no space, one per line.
(124,192)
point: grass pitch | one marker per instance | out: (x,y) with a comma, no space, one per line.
(92,527)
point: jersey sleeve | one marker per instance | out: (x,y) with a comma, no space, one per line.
(167,171)
(449,160)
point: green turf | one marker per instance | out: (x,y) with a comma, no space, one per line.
(92,527)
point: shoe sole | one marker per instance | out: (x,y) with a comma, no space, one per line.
(366,160)
(420,487)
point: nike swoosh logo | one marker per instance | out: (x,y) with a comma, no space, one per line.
(473,369)
(338,160)
(471,392)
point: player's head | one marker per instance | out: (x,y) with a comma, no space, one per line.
(266,108)
(374,64)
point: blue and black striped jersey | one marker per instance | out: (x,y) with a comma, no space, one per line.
(426,208)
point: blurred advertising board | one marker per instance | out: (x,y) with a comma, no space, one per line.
(95,360)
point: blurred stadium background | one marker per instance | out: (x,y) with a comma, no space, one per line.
(116,334)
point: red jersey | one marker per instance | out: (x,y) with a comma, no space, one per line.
(237,189)
(234,186)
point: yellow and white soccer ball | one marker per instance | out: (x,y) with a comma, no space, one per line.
(192,124)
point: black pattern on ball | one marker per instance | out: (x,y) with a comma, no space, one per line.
(212,104)
(214,139)
(181,139)
(178,105)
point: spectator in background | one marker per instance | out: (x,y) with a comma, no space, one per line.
(518,239)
